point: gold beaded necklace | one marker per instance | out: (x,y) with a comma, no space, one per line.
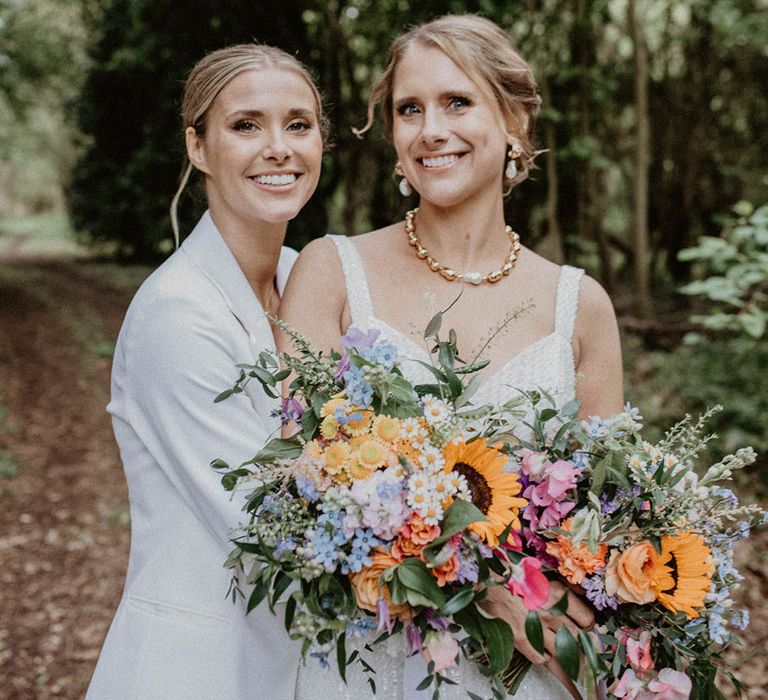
(467,277)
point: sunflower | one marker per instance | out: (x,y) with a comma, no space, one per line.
(492,489)
(682,573)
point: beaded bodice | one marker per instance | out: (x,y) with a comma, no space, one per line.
(546,363)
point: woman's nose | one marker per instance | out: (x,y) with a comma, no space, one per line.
(433,127)
(276,147)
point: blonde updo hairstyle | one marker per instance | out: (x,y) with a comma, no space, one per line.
(487,55)
(208,78)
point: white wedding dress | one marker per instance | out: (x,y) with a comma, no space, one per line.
(548,364)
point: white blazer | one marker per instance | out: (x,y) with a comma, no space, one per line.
(175,634)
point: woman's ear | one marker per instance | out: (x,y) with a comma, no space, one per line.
(195,149)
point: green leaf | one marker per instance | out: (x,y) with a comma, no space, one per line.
(589,652)
(219,464)
(421,587)
(279,448)
(260,590)
(279,586)
(459,601)
(534,631)
(425,683)
(341,656)
(561,607)
(290,612)
(436,372)
(434,325)
(599,475)
(500,641)
(459,514)
(567,652)
(224,395)
(548,414)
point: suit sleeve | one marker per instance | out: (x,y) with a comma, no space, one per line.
(178,355)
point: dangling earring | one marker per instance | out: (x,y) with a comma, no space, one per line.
(515,151)
(405,187)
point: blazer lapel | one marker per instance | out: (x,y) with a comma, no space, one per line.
(208,251)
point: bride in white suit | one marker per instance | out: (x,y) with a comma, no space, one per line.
(254,128)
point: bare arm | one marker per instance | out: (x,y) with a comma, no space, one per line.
(597,348)
(315,300)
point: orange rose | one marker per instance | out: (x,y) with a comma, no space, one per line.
(366,586)
(447,572)
(418,531)
(629,574)
(403,547)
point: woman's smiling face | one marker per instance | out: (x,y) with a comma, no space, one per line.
(448,132)
(262,147)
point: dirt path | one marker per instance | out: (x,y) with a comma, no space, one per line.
(64,531)
(63,504)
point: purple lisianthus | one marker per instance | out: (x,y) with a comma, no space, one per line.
(355,338)
(292,410)
(344,365)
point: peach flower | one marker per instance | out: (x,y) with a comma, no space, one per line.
(447,572)
(368,591)
(416,530)
(629,574)
(576,562)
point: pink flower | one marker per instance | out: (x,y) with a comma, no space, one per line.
(529,583)
(639,651)
(671,685)
(441,648)
(533,463)
(631,687)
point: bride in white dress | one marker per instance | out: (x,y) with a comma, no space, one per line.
(460,106)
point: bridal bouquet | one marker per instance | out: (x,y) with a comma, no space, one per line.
(398,507)
(649,542)
(391,509)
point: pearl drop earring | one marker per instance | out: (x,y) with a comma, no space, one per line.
(404,186)
(515,151)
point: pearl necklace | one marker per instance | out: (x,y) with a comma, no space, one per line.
(467,277)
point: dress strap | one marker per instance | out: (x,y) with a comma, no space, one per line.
(567,302)
(355,280)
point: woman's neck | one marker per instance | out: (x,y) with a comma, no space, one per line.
(256,247)
(469,236)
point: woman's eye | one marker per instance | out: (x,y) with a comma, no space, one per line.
(299,126)
(459,102)
(408,109)
(245,125)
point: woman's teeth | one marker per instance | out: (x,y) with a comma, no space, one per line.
(439,162)
(276,179)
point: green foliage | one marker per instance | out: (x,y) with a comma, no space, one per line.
(736,263)
(42,64)
(703,90)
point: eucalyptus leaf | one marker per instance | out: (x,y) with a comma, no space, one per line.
(534,631)
(567,652)
(434,325)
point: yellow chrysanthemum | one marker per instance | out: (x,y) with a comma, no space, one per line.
(372,453)
(314,448)
(361,425)
(359,471)
(493,490)
(682,574)
(386,428)
(329,427)
(406,449)
(336,457)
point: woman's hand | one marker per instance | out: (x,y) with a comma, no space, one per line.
(502,604)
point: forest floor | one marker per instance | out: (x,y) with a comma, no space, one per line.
(64,520)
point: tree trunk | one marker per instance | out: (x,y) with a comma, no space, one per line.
(642,164)
(552,245)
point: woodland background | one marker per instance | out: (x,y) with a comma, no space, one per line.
(655,127)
